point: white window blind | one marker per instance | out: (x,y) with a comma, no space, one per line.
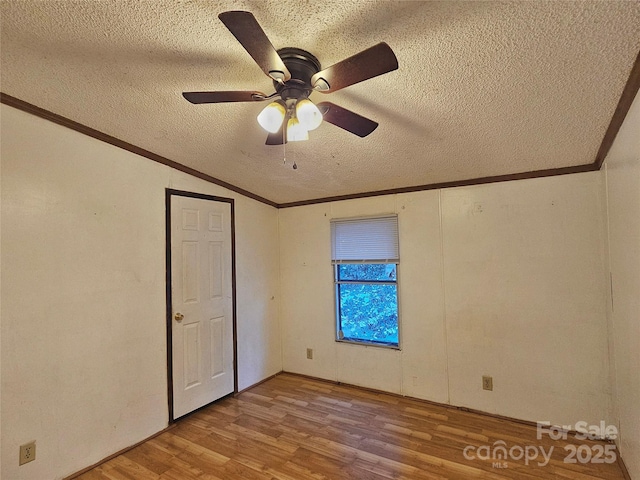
(365,240)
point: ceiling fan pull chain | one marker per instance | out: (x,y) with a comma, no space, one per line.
(295,165)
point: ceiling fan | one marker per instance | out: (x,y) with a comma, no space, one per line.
(296,74)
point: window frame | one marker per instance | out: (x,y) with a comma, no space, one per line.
(358,244)
(336,300)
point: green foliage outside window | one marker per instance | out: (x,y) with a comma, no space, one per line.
(368,302)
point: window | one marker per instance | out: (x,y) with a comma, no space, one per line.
(365,263)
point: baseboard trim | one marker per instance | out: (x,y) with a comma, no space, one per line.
(421,400)
(118,453)
(620,461)
(171,426)
(258,383)
(434,403)
(623,467)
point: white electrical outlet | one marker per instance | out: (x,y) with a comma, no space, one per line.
(487,382)
(310,353)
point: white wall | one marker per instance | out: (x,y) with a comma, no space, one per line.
(83,295)
(307,309)
(622,172)
(504,279)
(526,298)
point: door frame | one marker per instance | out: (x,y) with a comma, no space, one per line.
(169,193)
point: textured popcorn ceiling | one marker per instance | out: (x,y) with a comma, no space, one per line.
(483,88)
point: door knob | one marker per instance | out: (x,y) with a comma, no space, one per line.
(178,316)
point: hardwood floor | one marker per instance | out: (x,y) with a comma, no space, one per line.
(296,428)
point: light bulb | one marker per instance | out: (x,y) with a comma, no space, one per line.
(295,131)
(271,116)
(308,114)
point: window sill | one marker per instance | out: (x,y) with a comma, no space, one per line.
(388,346)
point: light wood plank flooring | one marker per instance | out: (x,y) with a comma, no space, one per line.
(296,428)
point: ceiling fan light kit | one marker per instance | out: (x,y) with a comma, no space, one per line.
(296,73)
(302,114)
(308,114)
(296,131)
(272,116)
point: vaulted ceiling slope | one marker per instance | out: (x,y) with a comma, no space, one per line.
(483,88)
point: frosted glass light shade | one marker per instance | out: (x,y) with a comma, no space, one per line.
(271,116)
(308,114)
(295,131)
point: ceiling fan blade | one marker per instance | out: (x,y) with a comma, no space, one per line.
(221,97)
(346,119)
(279,137)
(247,30)
(367,64)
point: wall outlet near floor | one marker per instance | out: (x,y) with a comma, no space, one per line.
(27,453)
(310,353)
(487,382)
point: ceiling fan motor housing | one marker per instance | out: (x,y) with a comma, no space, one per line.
(302,65)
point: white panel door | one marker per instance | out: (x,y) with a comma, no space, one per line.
(201,297)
